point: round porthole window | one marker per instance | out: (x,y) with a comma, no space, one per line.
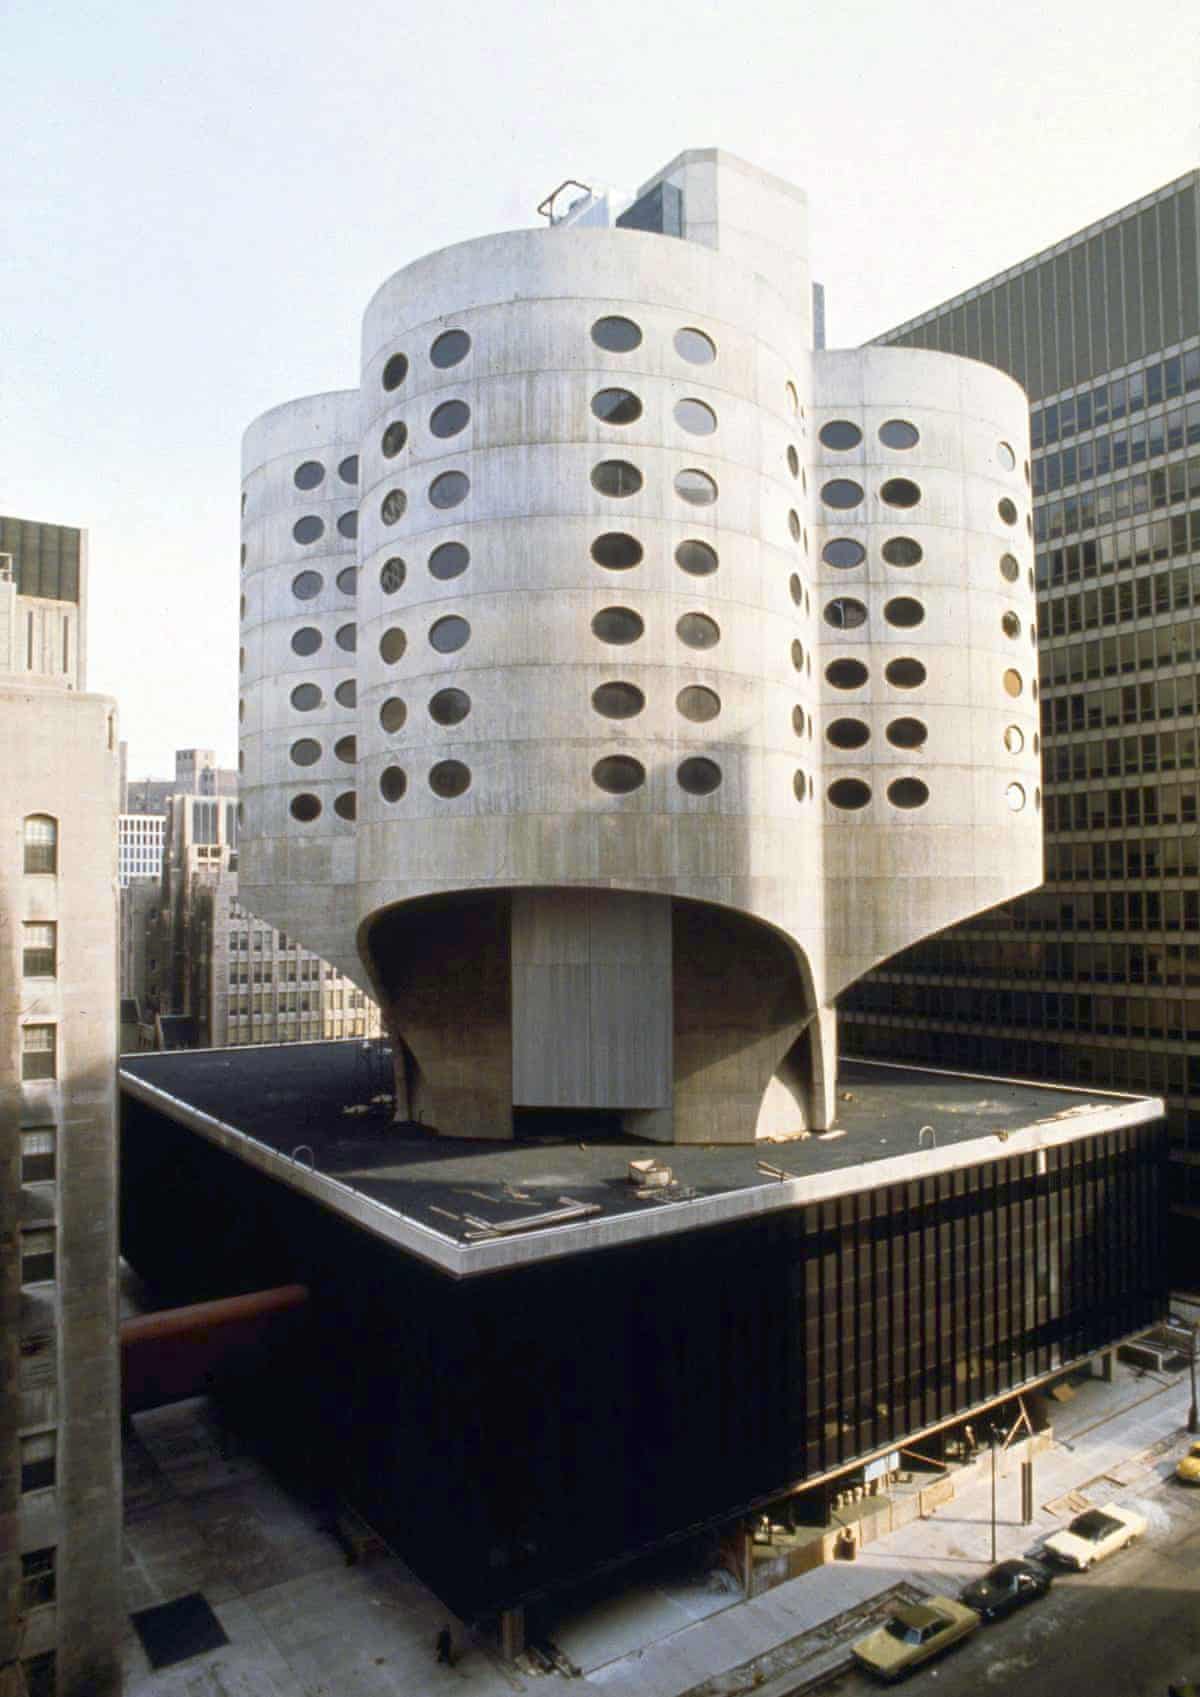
(902,551)
(392,715)
(616,551)
(794,525)
(907,792)
(450,348)
(841,492)
(392,507)
(793,399)
(449,778)
(305,808)
(903,612)
(392,644)
(306,640)
(346,750)
(843,552)
(395,371)
(697,630)
(796,590)
(449,490)
(450,634)
(899,433)
(845,613)
(1015,797)
(848,733)
(798,655)
(305,752)
(306,698)
(348,524)
(346,805)
(619,774)
(392,783)
(1010,571)
(840,435)
(846,674)
(1006,456)
(347,580)
(907,733)
(1007,510)
(1012,683)
(849,793)
(900,492)
(348,469)
(616,335)
(905,673)
(346,693)
(1010,624)
(698,776)
(695,347)
(698,559)
(307,584)
(347,637)
(449,559)
(798,720)
(618,625)
(698,704)
(449,706)
(449,419)
(1014,739)
(618,700)
(309,529)
(694,417)
(616,477)
(392,574)
(308,474)
(793,461)
(616,406)
(695,487)
(394,438)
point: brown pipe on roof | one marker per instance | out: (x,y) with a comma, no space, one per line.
(183,1352)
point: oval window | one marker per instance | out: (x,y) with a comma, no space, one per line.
(899,433)
(307,584)
(900,492)
(801,786)
(694,417)
(449,706)
(618,700)
(798,655)
(695,487)
(308,529)
(849,793)
(794,525)
(346,749)
(392,644)
(392,783)
(392,574)
(907,792)
(793,399)
(903,612)
(308,474)
(698,704)
(796,590)
(392,714)
(698,776)
(1010,624)
(394,438)
(619,774)
(449,419)
(1012,683)
(347,580)
(907,733)
(1014,739)
(346,805)
(616,406)
(1015,797)
(1007,511)
(695,347)
(449,778)
(697,630)
(616,477)
(905,673)
(1009,568)
(346,693)
(617,624)
(305,752)
(841,492)
(840,435)
(616,335)
(793,461)
(616,551)
(347,638)
(696,558)
(391,509)
(450,348)
(848,733)
(846,674)
(798,720)
(449,559)
(902,551)
(306,640)
(843,552)
(1006,456)
(348,523)
(449,490)
(395,371)
(348,469)
(449,634)
(305,808)
(306,697)
(845,613)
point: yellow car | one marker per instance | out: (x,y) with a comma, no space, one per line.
(1189,1468)
(915,1633)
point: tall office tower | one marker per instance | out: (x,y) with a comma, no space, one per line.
(621,677)
(60,1482)
(1096,978)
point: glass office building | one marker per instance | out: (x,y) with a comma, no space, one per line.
(1095,978)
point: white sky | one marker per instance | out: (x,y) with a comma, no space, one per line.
(199,200)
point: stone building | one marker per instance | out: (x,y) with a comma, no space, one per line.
(622,677)
(60,1480)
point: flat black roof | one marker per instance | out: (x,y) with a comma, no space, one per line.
(290,1101)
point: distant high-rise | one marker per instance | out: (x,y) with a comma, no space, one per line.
(60,1481)
(1096,978)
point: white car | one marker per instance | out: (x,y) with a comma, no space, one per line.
(1092,1536)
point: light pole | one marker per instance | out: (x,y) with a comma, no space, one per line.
(1193,1419)
(992,1435)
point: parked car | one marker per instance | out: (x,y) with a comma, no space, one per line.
(1096,1534)
(915,1633)
(1189,1468)
(1006,1588)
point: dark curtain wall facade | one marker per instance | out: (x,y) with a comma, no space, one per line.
(509,1433)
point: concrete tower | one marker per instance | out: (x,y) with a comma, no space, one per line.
(622,678)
